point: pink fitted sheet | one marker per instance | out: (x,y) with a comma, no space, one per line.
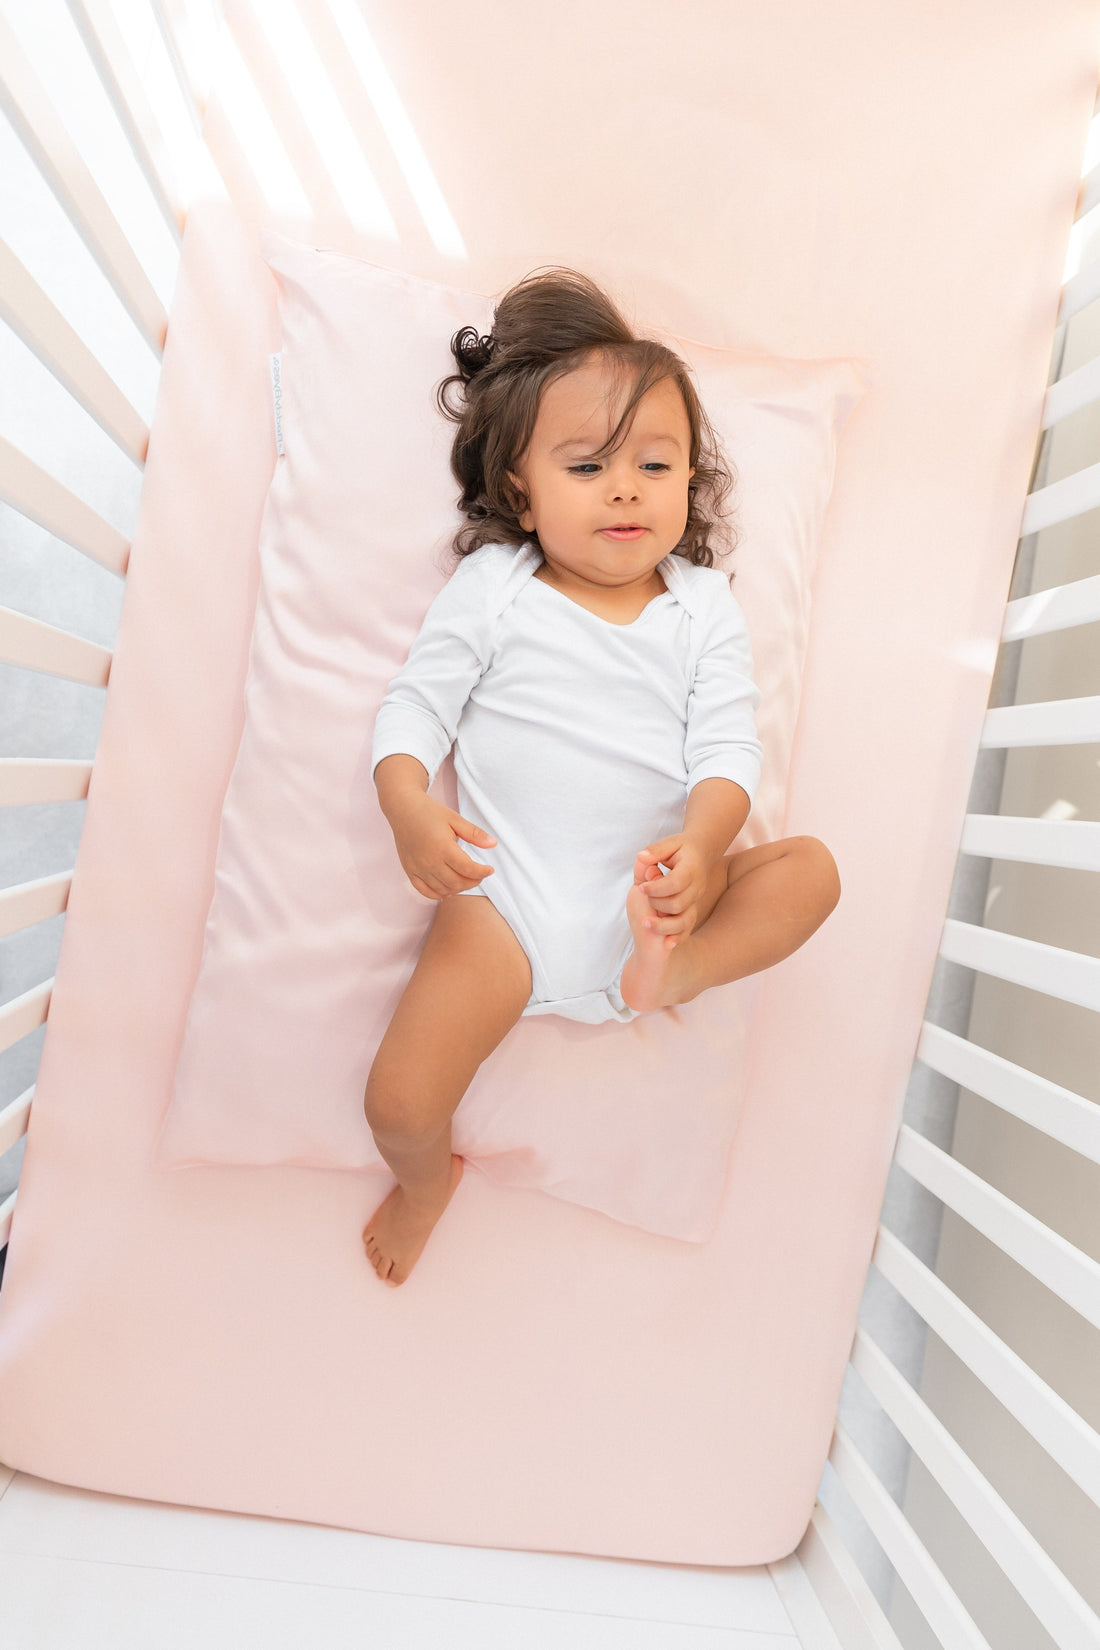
(549,1378)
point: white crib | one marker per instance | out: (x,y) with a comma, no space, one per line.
(961,1502)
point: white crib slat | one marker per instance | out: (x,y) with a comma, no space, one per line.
(1058,1605)
(813,1629)
(846,1598)
(1067,395)
(232,165)
(1059,608)
(28,107)
(1078,292)
(937,1601)
(1068,975)
(1057,1112)
(108,51)
(1088,195)
(36,645)
(1071,843)
(192,60)
(25,1013)
(43,328)
(14,1118)
(1067,1439)
(1072,1275)
(1047,722)
(6,1210)
(1061,500)
(26,779)
(25,903)
(42,498)
(245,147)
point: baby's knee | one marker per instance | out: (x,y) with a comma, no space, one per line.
(394,1114)
(820,862)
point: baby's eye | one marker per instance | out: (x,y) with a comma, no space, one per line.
(581,469)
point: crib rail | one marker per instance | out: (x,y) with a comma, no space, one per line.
(31,111)
(1074,843)
(43,499)
(1066,1119)
(1055,1111)
(106,46)
(37,320)
(228,112)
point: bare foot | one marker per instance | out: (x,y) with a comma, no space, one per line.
(653,972)
(398,1229)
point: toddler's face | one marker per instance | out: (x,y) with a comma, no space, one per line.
(574,498)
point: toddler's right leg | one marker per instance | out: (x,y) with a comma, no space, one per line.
(470,985)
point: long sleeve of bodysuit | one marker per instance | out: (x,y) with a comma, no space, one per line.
(420,709)
(720,740)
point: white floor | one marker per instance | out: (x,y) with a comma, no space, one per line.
(84,1571)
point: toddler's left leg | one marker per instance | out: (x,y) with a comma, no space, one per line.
(760,904)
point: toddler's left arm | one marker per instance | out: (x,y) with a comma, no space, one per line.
(716,810)
(720,740)
(722,755)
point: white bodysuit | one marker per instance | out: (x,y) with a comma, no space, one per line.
(577,741)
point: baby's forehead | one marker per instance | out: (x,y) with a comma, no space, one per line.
(585,412)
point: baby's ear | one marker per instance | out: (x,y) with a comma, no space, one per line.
(518,499)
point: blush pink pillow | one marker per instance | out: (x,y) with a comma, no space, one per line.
(313,928)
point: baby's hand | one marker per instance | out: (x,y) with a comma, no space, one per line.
(426,835)
(674,897)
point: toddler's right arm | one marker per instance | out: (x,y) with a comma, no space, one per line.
(425,832)
(415,728)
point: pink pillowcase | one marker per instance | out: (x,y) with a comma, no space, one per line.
(313,929)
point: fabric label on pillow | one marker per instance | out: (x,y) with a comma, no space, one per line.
(276,362)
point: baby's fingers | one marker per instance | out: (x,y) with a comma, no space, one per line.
(681,923)
(469,832)
(466,870)
(428,889)
(673,893)
(677,886)
(666,925)
(662,888)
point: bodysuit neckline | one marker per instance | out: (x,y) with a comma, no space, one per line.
(537,559)
(611,623)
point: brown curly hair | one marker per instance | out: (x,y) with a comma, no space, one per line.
(543,328)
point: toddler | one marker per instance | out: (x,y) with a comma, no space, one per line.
(591,667)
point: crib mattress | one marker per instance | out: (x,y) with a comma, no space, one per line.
(557,1380)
